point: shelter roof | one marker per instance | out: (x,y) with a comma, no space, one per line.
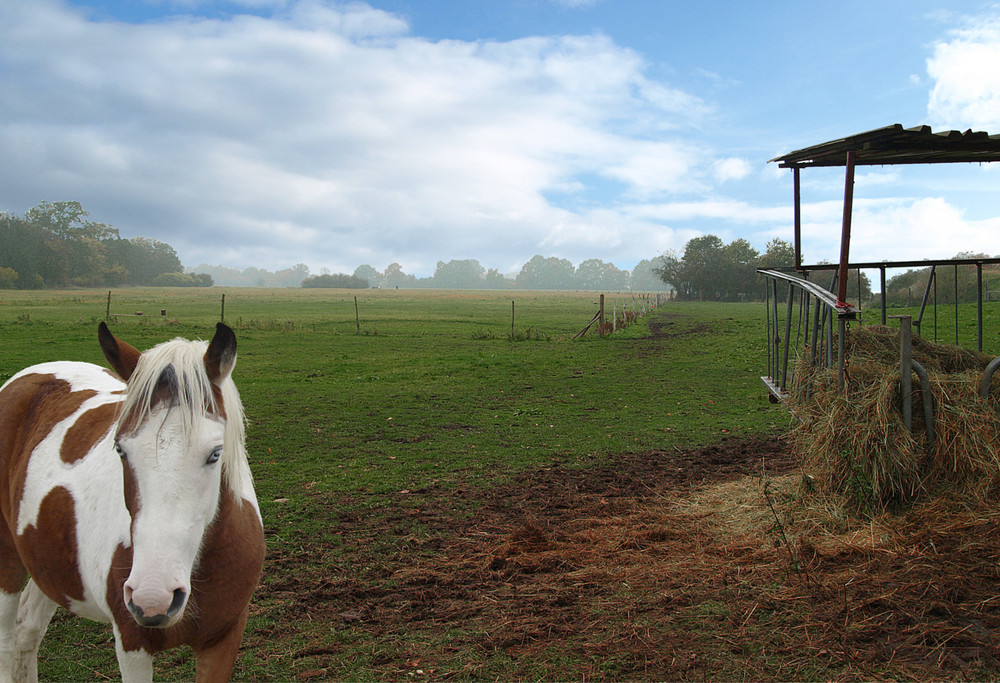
(897,145)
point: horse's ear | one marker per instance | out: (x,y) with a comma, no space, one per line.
(221,355)
(120,355)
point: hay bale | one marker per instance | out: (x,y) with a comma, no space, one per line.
(855,444)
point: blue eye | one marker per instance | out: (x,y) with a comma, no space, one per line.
(120,451)
(214,456)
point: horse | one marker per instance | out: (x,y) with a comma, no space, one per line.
(127,498)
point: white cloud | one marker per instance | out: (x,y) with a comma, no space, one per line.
(732,168)
(329,131)
(964,68)
(896,229)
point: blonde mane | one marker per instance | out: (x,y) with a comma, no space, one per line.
(193,394)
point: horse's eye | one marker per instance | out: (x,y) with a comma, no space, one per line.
(120,451)
(214,456)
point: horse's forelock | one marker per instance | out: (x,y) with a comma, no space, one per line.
(174,371)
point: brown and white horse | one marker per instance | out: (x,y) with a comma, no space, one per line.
(129,502)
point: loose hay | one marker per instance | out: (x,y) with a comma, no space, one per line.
(856,445)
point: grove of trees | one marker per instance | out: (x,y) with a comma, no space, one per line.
(55,245)
(710,270)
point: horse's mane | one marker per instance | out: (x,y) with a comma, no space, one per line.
(192,393)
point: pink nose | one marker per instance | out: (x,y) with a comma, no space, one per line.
(154,608)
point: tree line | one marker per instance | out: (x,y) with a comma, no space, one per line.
(539,272)
(55,245)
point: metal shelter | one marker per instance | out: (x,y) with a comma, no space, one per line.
(890,145)
(882,146)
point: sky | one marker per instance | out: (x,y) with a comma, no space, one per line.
(270,133)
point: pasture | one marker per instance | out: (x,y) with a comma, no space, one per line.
(444,500)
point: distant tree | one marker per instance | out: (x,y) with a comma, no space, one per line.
(178,279)
(368,273)
(740,267)
(8,278)
(546,273)
(288,277)
(644,277)
(466,274)
(670,270)
(338,281)
(395,277)
(778,254)
(494,279)
(68,220)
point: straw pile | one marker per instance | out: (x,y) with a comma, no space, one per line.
(855,445)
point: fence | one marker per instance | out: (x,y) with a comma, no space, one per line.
(641,305)
(810,310)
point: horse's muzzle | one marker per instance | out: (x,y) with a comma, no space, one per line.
(159,620)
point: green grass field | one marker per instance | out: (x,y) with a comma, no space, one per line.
(364,412)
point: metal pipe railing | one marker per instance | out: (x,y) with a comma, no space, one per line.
(818,337)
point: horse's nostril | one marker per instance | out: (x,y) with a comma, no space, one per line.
(177,604)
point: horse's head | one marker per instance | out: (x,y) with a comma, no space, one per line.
(175,436)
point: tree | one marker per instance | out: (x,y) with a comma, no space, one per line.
(645,278)
(740,261)
(703,261)
(670,270)
(8,278)
(372,276)
(494,279)
(68,220)
(546,273)
(467,274)
(337,281)
(395,277)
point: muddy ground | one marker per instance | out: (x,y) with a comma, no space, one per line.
(700,564)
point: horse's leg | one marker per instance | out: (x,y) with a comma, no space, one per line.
(8,633)
(136,666)
(215,662)
(33,616)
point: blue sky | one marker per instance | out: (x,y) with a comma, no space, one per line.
(276,132)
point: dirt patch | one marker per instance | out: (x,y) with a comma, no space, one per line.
(661,565)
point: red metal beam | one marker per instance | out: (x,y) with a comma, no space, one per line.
(798,218)
(845,233)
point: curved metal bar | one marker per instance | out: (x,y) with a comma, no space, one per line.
(984,383)
(813,288)
(925,393)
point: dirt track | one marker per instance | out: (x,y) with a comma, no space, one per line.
(664,565)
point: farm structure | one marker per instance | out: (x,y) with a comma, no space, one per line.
(884,146)
(814,356)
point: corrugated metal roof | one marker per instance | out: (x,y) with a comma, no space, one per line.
(897,145)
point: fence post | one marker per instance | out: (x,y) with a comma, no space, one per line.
(357,317)
(600,320)
(905,369)
(107,311)
(222,316)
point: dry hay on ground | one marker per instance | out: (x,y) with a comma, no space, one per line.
(856,445)
(702,564)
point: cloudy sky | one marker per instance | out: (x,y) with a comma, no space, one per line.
(335,134)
